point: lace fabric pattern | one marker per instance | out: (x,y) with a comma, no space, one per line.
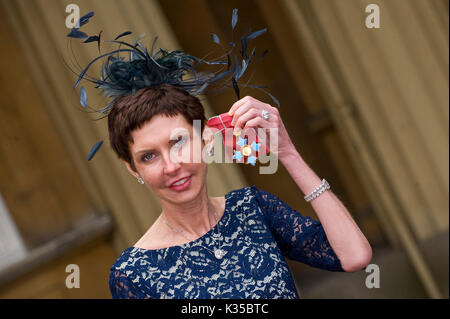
(259,230)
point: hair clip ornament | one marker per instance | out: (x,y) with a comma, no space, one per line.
(142,68)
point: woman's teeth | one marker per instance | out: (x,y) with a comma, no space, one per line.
(181,182)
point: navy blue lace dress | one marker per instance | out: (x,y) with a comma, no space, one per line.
(259,230)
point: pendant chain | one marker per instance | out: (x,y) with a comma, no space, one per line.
(218,253)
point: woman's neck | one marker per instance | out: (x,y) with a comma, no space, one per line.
(192,219)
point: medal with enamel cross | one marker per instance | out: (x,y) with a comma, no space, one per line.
(246,150)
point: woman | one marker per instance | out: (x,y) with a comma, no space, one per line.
(200,246)
(219,247)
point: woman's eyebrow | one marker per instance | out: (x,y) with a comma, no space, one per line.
(171,141)
(143,151)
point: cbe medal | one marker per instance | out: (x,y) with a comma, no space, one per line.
(243,146)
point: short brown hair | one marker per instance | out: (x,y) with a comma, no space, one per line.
(130,112)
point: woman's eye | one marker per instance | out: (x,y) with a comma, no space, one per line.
(147,157)
(181,141)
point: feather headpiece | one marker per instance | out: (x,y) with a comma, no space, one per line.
(124,76)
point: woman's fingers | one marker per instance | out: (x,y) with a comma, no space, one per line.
(247,112)
(258,121)
(244,118)
(245,107)
(238,112)
(240,106)
(237,104)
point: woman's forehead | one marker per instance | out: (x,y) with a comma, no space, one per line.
(160,129)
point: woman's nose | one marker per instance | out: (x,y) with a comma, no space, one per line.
(170,165)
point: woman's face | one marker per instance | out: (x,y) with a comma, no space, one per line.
(160,161)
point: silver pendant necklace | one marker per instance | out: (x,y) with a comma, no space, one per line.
(219,253)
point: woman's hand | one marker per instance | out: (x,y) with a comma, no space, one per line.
(247,114)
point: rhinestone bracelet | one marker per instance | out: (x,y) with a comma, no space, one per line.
(318,190)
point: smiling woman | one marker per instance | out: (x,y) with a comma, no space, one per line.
(152,157)
(201,246)
(142,129)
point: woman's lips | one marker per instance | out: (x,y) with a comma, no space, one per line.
(183,186)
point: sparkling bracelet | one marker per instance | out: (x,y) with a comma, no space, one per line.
(318,190)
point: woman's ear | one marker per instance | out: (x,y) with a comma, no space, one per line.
(131,170)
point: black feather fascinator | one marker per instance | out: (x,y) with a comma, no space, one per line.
(121,76)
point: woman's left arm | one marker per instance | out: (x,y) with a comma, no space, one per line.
(344,235)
